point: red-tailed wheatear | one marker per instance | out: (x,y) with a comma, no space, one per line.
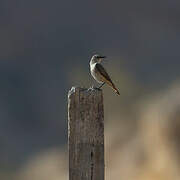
(99,73)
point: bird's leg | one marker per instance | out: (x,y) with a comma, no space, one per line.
(101,85)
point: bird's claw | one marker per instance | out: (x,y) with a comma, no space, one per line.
(94,87)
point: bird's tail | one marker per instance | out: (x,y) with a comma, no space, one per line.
(115,89)
(111,84)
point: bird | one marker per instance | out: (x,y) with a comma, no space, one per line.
(99,73)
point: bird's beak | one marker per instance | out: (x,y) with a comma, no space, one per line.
(101,57)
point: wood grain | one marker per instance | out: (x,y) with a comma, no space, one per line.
(86,134)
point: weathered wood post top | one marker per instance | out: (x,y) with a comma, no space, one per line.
(86,134)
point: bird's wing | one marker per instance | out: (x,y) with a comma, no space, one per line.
(103,72)
(106,77)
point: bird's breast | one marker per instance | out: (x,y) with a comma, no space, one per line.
(94,73)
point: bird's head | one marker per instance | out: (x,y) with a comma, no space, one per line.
(97,58)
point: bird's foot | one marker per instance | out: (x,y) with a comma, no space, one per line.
(101,85)
(94,87)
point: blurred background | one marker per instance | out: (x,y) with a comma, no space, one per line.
(45,49)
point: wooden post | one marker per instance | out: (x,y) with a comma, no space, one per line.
(86,134)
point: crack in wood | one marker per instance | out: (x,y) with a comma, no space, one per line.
(92,164)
